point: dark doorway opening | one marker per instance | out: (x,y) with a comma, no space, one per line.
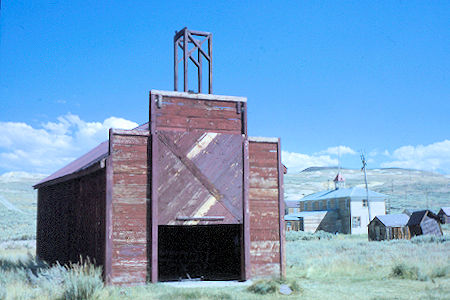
(206,252)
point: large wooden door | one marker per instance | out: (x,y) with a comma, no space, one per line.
(200,178)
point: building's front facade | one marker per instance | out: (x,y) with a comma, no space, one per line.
(187,195)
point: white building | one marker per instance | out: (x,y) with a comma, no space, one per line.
(355,207)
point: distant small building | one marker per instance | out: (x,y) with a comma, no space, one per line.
(424,222)
(293,223)
(389,227)
(312,221)
(444,215)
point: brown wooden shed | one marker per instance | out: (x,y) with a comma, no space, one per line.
(389,227)
(187,195)
(424,222)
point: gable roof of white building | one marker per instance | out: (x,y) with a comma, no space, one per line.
(305,214)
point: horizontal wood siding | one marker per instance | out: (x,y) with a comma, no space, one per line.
(71,220)
(130,197)
(186,114)
(265,236)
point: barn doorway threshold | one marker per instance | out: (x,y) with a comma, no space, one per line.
(197,253)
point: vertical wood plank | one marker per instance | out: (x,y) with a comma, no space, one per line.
(281,212)
(210,90)
(108,212)
(246,210)
(185,60)
(175,64)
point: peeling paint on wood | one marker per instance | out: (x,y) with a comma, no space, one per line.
(265,234)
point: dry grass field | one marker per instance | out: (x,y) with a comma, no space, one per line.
(322,266)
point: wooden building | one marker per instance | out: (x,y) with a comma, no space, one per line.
(187,195)
(349,204)
(389,227)
(424,222)
(444,215)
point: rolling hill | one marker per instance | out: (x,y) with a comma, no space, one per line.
(407,189)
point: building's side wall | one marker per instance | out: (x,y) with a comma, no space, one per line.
(266,255)
(377,231)
(444,218)
(71,220)
(128,253)
(399,233)
(344,214)
(357,208)
(330,222)
(430,226)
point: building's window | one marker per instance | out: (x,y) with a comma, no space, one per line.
(320,205)
(295,210)
(364,203)
(316,205)
(288,226)
(291,210)
(356,222)
(302,206)
(336,203)
(328,204)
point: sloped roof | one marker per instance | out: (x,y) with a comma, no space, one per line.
(418,216)
(394,220)
(303,214)
(81,163)
(446,210)
(95,155)
(354,192)
(292,203)
(98,153)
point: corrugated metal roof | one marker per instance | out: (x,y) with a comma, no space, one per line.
(394,220)
(81,163)
(354,192)
(303,214)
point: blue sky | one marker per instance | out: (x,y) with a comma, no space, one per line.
(319,74)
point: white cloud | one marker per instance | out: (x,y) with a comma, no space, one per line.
(296,162)
(46,149)
(337,150)
(432,157)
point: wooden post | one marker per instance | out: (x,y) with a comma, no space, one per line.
(154,191)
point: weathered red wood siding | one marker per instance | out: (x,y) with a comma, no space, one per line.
(266,210)
(71,219)
(200,175)
(129,193)
(177,113)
